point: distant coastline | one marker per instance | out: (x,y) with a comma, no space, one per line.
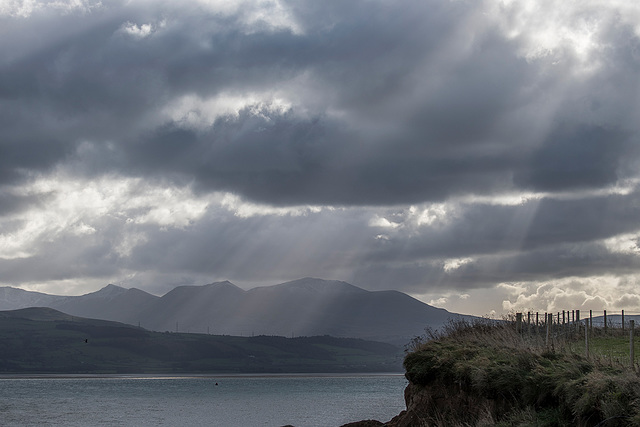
(5,376)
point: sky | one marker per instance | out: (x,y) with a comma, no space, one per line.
(481,156)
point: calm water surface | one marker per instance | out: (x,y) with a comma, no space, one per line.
(197,401)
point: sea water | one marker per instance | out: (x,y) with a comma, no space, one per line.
(302,401)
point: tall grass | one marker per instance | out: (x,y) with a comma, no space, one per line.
(486,373)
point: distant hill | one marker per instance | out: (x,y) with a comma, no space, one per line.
(13,298)
(305,307)
(43,340)
(109,303)
(36,313)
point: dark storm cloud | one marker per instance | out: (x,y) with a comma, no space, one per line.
(576,157)
(480,229)
(536,241)
(548,264)
(581,261)
(425,109)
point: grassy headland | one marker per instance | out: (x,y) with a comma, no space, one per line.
(485,373)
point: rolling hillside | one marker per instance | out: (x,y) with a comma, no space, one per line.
(43,340)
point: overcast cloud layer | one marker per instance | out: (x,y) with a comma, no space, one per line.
(480,155)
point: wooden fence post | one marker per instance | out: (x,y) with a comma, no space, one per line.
(590,319)
(519,323)
(549,319)
(622,321)
(605,321)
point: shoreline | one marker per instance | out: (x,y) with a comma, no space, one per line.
(168,376)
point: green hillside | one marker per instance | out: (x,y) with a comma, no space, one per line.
(41,340)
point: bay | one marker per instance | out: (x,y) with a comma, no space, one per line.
(229,401)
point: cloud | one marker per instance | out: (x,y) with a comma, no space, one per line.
(438,148)
(439,81)
(583,157)
(575,294)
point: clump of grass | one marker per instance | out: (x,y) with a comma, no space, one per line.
(485,373)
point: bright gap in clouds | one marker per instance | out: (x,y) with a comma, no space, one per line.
(25,8)
(192,111)
(549,29)
(256,14)
(69,206)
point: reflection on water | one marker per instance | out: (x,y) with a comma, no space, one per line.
(197,401)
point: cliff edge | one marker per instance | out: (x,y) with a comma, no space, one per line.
(486,374)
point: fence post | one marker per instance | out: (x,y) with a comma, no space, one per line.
(605,321)
(586,337)
(519,322)
(590,319)
(549,319)
(631,346)
(622,321)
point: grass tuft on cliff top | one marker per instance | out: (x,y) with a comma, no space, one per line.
(485,373)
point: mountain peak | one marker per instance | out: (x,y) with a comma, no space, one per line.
(223,284)
(316,285)
(225,287)
(109,291)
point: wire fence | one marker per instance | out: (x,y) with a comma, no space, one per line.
(570,327)
(604,319)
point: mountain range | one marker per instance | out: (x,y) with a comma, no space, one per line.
(304,307)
